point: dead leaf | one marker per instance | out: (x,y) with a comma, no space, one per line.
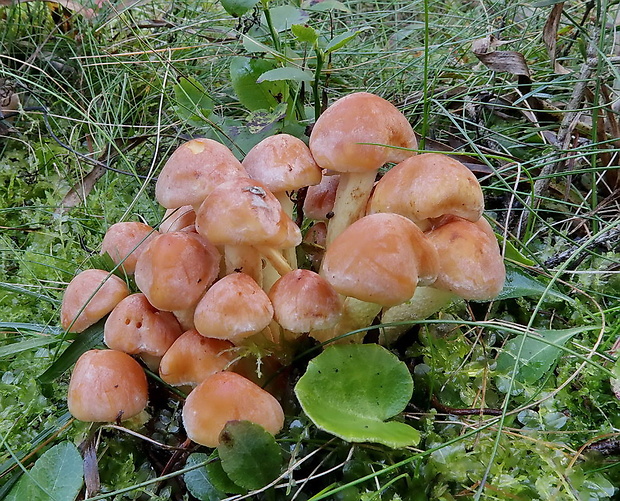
(76,7)
(550,36)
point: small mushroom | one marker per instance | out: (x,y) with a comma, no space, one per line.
(138,328)
(124,242)
(340,142)
(192,358)
(227,396)
(426,187)
(89,297)
(304,301)
(176,269)
(106,386)
(245,217)
(234,308)
(470,267)
(193,171)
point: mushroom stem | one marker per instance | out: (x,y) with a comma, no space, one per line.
(356,315)
(276,259)
(246,259)
(350,204)
(425,302)
(288,206)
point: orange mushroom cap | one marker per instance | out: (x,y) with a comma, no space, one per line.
(192,358)
(193,171)
(89,297)
(227,396)
(234,308)
(304,301)
(176,269)
(106,385)
(379,259)
(425,187)
(470,263)
(125,241)
(361,118)
(282,163)
(135,327)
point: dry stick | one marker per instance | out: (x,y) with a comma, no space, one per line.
(569,121)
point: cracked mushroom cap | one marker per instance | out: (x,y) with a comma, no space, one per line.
(192,172)
(304,301)
(124,242)
(282,163)
(470,263)
(89,297)
(379,259)
(106,386)
(243,211)
(234,308)
(136,327)
(192,358)
(176,269)
(227,396)
(361,118)
(426,187)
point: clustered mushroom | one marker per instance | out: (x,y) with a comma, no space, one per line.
(219,278)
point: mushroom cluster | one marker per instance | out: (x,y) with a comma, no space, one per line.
(220,277)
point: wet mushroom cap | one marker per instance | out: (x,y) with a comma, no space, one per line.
(124,242)
(378,259)
(227,396)
(106,386)
(282,163)
(428,186)
(470,263)
(135,327)
(89,297)
(304,301)
(234,308)
(192,358)
(176,269)
(243,211)
(358,118)
(193,171)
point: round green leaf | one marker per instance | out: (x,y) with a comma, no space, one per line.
(250,455)
(350,390)
(57,474)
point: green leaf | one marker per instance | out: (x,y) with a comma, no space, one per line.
(197,481)
(85,341)
(237,8)
(287,73)
(340,41)
(244,73)
(56,476)
(518,284)
(325,6)
(538,354)
(16,289)
(513,253)
(284,16)
(250,455)
(305,33)
(193,103)
(220,479)
(350,390)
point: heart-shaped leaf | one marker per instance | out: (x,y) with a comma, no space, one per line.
(350,390)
